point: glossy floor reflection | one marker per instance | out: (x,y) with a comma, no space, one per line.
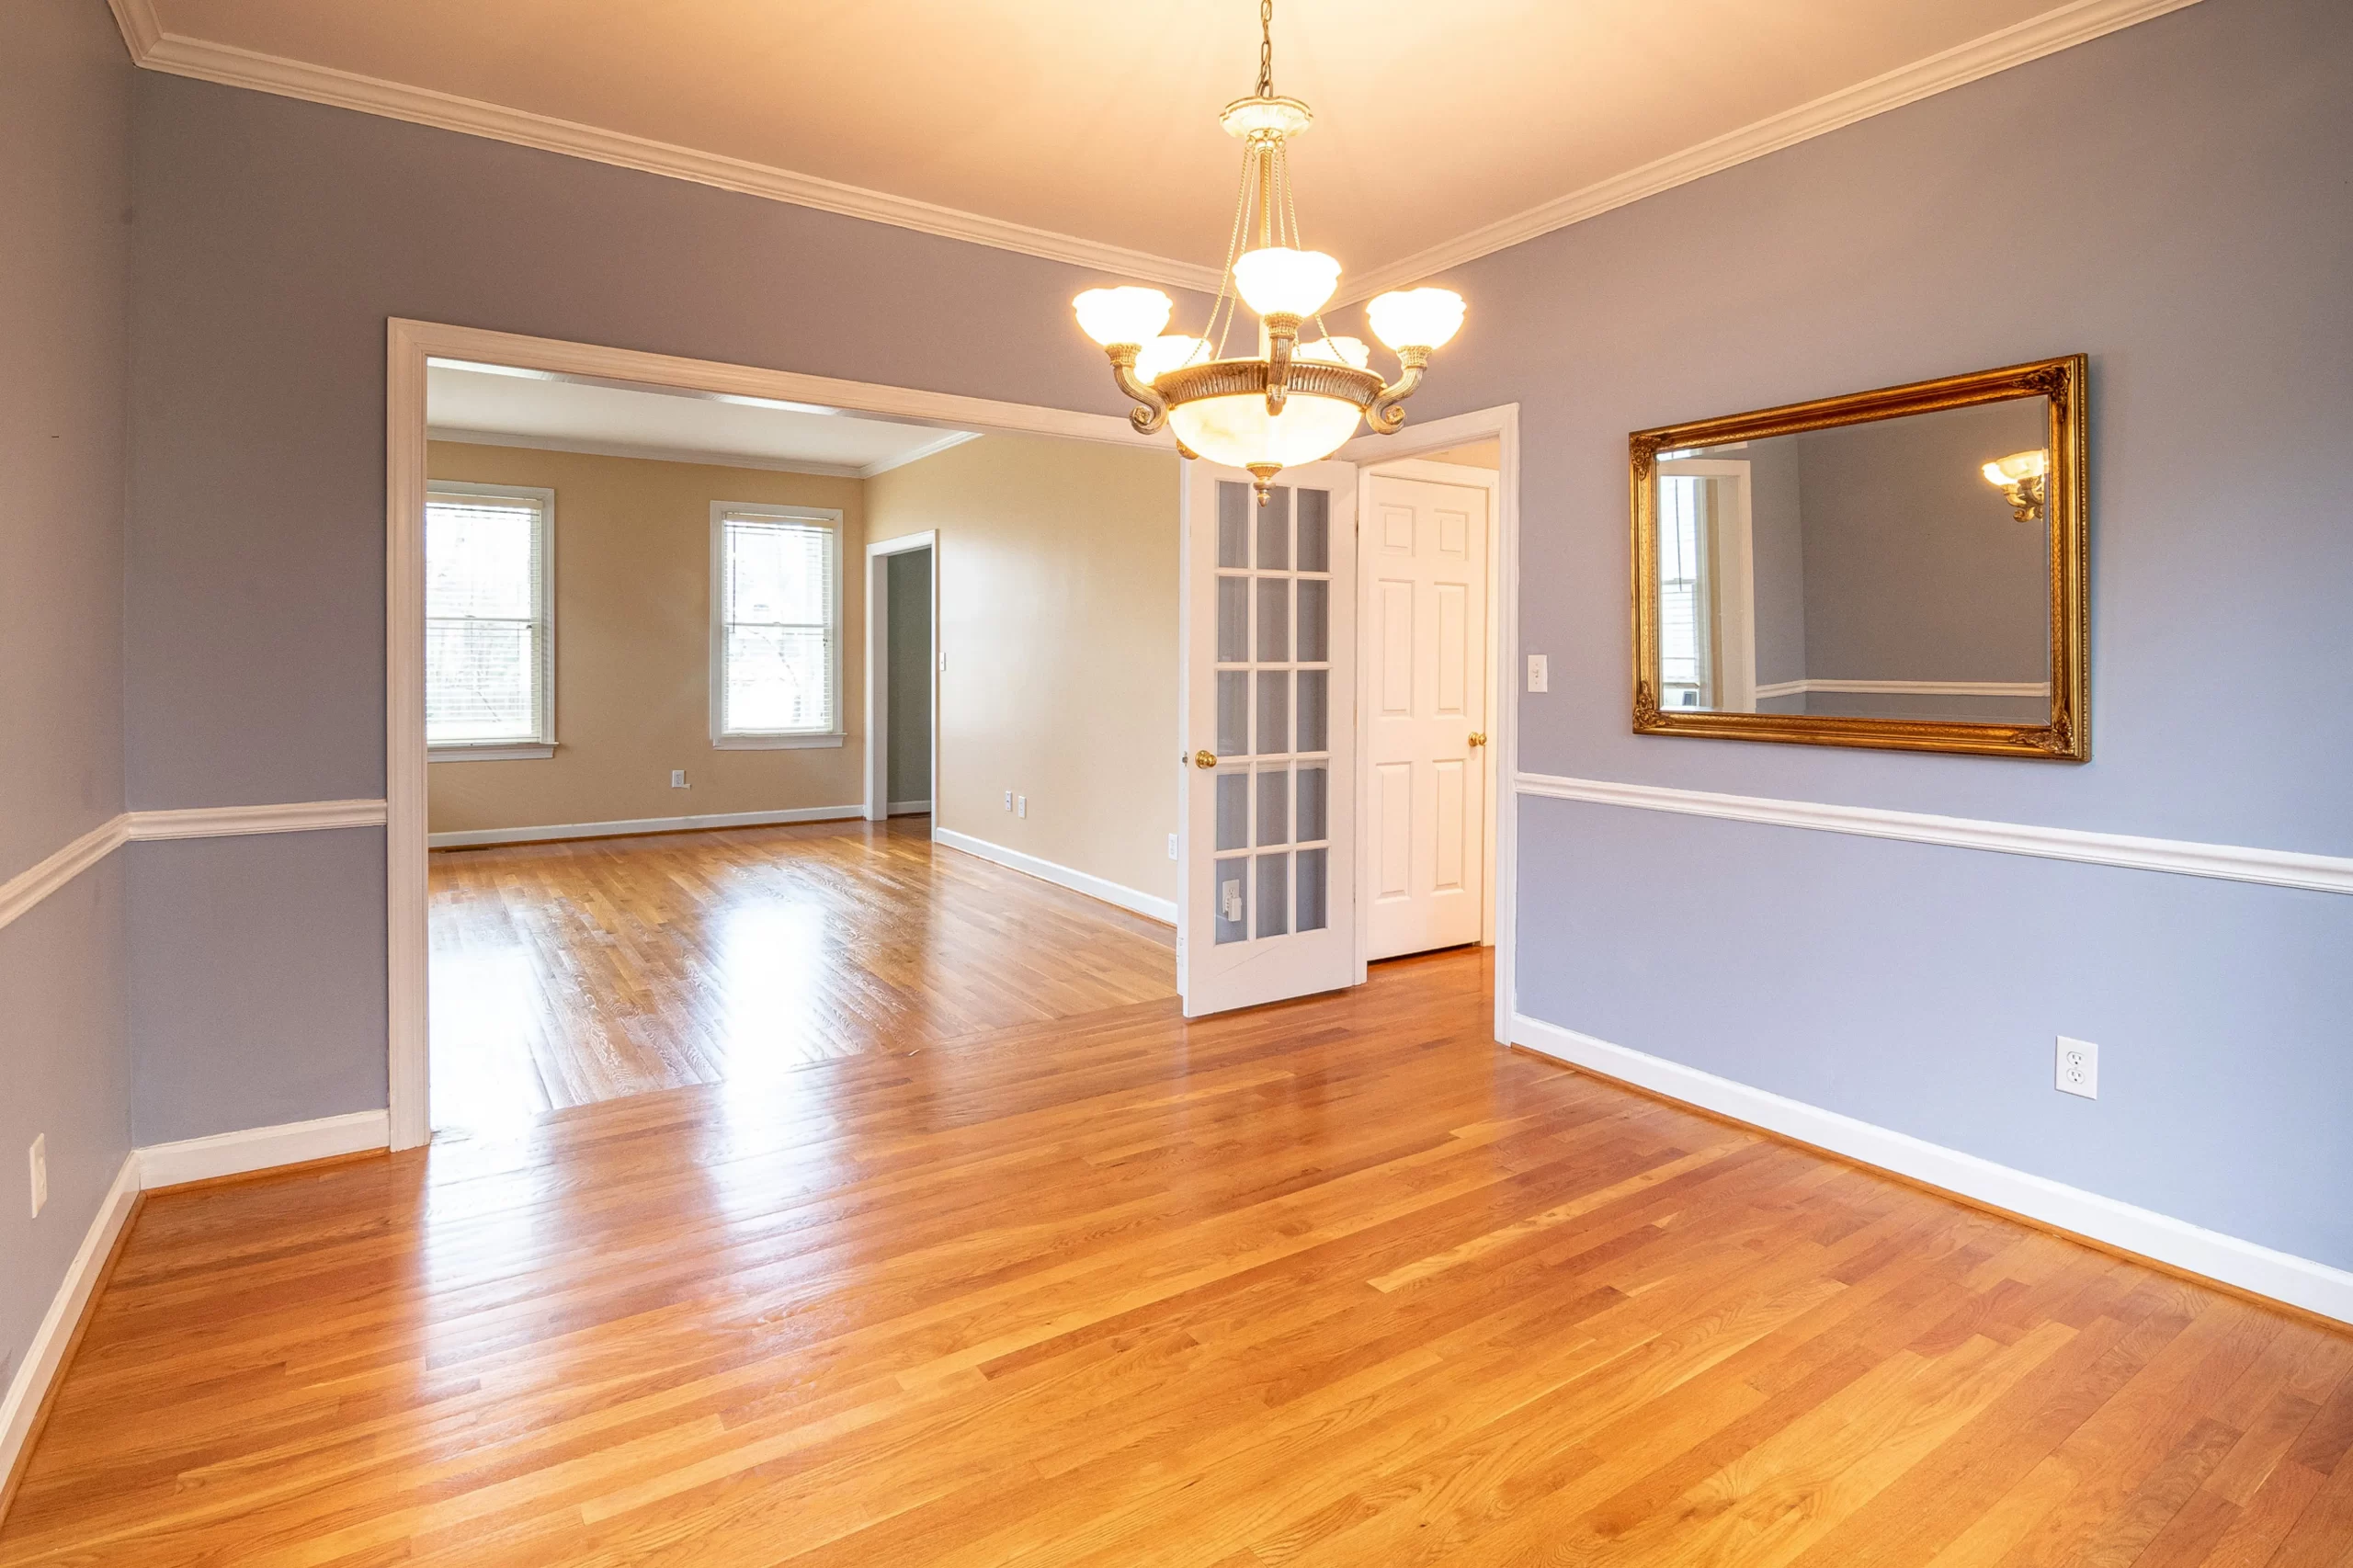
(1323,1285)
(567,973)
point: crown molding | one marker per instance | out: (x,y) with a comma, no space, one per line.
(2079,22)
(176,55)
(2070,25)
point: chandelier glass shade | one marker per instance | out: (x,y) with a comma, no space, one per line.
(1292,402)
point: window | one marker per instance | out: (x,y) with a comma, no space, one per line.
(1685,660)
(775,626)
(489,621)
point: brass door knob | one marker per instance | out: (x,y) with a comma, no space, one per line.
(1205,759)
(1478,737)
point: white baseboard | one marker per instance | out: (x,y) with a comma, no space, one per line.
(1161,909)
(637,825)
(259,1148)
(908,808)
(46,1354)
(2282,1276)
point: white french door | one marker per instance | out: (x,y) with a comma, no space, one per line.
(1265,907)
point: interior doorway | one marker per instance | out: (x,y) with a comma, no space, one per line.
(902,665)
(1427,597)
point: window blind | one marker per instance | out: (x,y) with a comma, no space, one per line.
(777,637)
(486,640)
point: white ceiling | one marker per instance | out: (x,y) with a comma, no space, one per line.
(532,408)
(1087,129)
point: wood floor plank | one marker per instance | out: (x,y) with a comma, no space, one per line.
(856,1202)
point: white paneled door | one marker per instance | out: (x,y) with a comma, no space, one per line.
(1266,902)
(1424,559)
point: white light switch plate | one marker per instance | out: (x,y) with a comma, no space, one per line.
(40,1174)
(1539,673)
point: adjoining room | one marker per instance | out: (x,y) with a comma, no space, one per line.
(679,686)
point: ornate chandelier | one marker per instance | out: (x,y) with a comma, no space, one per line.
(1294,401)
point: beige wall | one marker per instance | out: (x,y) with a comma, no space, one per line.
(632,640)
(1057,568)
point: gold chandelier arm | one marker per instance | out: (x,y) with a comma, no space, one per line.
(1282,337)
(1152,412)
(1386,417)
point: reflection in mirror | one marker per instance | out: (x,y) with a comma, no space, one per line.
(1893,569)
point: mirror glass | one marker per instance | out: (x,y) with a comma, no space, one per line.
(1880,570)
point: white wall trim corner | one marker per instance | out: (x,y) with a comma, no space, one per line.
(2279,1276)
(2228,862)
(45,1356)
(20,892)
(1161,909)
(2069,24)
(473,837)
(261,1148)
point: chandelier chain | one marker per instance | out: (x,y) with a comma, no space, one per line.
(1265,49)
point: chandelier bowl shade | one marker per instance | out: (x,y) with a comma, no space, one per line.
(1416,318)
(1126,314)
(1161,355)
(1277,280)
(1236,429)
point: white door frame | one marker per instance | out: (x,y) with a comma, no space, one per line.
(878,671)
(408,346)
(1500,424)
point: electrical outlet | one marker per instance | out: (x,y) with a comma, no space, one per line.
(1539,673)
(40,1174)
(1008,800)
(943,661)
(1021,805)
(1172,846)
(678,779)
(2079,1068)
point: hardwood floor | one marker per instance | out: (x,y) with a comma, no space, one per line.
(565,973)
(1336,1282)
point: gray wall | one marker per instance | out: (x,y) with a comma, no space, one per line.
(910,590)
(1915,568)
(1777,565)
(65,260)
(274,238)
(2185,183)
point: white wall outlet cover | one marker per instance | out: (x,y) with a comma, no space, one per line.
(2079,1068)
(40,1174)
(1539,673)
(677,778)
(1172,846)
(1021,805)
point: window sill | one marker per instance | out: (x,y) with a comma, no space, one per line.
(517,751)
(775,743)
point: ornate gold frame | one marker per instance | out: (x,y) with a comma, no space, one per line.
(2065,737)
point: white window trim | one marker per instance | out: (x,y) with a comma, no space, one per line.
(776,740)
(544,745)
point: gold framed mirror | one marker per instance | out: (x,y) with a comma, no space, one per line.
(1903,568)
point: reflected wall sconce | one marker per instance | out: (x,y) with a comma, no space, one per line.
(2020,477)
